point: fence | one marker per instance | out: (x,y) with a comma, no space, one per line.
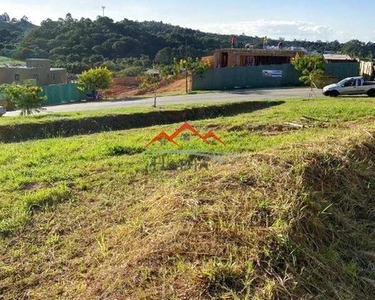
(62,93)
(263,76)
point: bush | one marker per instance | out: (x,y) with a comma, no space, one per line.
(149,81)
(131,72)
(25,97)
(311,67)
(95,79)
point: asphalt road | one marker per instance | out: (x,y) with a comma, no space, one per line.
(221,96)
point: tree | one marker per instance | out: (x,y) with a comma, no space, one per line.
(25,97)
(95,79)
(131,72)
(4,18)
(311,67)
(354,48)
(165,56)
(191,66)
(25,19)
(126,46)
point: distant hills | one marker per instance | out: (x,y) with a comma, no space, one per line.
(12,31)
(80,44)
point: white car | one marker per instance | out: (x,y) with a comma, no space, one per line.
(350,86)
(2,111)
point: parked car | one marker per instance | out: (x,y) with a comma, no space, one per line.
(350,86)
(95,95)
(2,110)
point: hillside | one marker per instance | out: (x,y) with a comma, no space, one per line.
(288,214)
(80,44)
(12,32)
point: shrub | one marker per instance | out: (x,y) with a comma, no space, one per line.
(95,79)
(25,97)
(311,67)
(149,81)
(131,72)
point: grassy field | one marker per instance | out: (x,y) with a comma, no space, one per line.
(91,216)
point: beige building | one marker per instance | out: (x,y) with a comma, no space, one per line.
(38,70)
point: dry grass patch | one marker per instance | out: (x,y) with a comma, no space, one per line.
(263,227)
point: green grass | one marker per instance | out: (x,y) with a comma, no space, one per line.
(86,216)
(66,160)
(51,117)
(342,109)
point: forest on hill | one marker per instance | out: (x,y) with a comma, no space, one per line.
(84,43)
(12,31)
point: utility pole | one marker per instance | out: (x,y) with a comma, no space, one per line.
(103,8)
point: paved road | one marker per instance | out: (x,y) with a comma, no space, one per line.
(222,96)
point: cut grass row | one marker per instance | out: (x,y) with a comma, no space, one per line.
(118,121)
(48,126)
(345,108)
(85,217)
(44,118)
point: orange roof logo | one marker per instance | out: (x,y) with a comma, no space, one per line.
(183,128)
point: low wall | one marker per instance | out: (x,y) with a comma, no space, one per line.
(62,93)
(342,70)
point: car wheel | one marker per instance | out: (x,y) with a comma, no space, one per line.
(371,93)
(334,93)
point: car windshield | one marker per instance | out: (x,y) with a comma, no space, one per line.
(342,82)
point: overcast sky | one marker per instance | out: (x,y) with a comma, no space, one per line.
(299,19)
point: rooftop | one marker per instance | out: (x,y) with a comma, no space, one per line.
(342,57)
(6,66)
(152,72)
(38,59)
(274,51)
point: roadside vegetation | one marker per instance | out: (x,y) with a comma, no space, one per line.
(95,79)
(290,215)
(24,97)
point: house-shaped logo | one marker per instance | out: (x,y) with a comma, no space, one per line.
(186,127)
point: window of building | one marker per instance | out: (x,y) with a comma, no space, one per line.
(224,60)
(17,77)
(53,77)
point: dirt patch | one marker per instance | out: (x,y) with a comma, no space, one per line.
(123,87)
(129,87)
(175,87)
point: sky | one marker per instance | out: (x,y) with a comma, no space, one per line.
(325,20)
